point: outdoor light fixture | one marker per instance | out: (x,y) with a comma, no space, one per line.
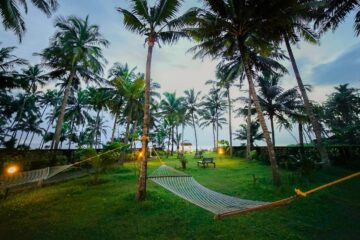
(12,169)
(221,151)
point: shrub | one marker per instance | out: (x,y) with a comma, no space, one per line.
(254,155)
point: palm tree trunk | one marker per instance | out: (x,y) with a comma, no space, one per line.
(270,147)
(169,141)
(194,126)
(47,130)
(71,132)
(22,132)
(128,120)
(308,106)
(248,130)
(60,120)
(141,185)
(214,136)
(114,127)
(26,137)
(172,140)
(182,138)
(96,128)
(272,129)
(230,126)
(301,139)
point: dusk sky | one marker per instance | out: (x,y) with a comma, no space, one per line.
(334,61)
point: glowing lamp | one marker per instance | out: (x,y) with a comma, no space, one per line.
(12,169)
(221,151)
(140,154)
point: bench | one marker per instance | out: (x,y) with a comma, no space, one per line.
(205,162)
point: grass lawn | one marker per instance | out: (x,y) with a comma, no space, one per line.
(76,209)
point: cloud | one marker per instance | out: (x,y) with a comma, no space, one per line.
(343,69)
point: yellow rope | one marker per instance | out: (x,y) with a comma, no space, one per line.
(304,194)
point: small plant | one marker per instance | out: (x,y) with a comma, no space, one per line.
(95,161)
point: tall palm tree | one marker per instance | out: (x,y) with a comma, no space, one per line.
(333,12)
(215,100)
(296,16)
(277,103)
(12,18)
(192,103)
(75,53)
(244,27)
(157,24)
(225,78)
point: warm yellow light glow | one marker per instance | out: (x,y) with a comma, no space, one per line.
(221,151)
(12,169)
(140,154)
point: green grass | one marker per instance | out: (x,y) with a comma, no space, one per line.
(76,209)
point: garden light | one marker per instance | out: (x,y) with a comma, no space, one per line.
(12,169)
(221,151)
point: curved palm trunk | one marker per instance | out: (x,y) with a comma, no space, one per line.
(194,126)
(270,147)
(114,127)
(272,129)
(230,126)
(60,120)
(141,185)
(214,136)
(301,139)
(248,130)
(308,107)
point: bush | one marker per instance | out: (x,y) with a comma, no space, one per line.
(254,155)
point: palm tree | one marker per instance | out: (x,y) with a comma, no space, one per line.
(225,78)
(215,100)
(243,27)
(74,53)
(276,102)
(172,107)
(333,12)
(31,77)
(241,134)
(209,116)
(52,98)
(158,24)
(77,111)
(191,102)
(97,98)
(12,18)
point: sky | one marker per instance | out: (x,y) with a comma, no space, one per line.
(335,60)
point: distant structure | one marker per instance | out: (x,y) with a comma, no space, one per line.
(186,146)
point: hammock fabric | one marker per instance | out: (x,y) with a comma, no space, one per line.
(38,175)
(186,187)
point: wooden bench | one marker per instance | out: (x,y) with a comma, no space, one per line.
(205,162)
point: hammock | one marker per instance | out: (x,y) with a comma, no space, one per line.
(39,175)
(186,187)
